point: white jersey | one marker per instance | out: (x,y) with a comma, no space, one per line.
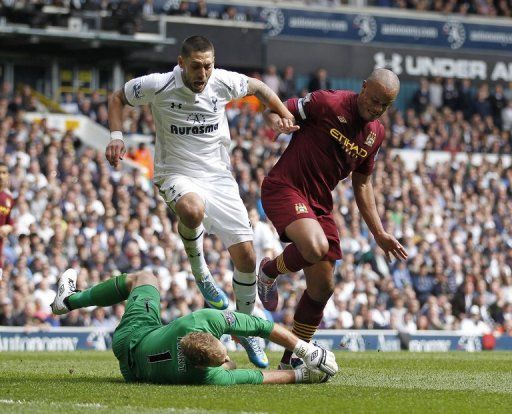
(192,132)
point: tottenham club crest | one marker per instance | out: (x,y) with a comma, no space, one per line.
(137,89)
(367,27)
(214,102)
(274,19)
(456,34)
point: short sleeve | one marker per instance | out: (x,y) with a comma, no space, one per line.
(235,84)
(367,166)
(142,90)
(305,108)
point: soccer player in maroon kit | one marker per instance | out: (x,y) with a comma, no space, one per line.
(339,135)
(6,203)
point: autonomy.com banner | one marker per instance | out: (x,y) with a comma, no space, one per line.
(73,339)
(448,32)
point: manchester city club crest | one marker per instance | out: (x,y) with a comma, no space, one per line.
(370,139)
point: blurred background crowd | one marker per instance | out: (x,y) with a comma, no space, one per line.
(73,209)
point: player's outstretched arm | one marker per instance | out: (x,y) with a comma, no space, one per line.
(116,149)
(282,120)
(301,375)
(365,199)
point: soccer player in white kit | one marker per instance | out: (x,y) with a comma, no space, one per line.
(192,164)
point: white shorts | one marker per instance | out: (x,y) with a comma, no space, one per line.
(225,213)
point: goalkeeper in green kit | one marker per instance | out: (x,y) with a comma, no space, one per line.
(188,350)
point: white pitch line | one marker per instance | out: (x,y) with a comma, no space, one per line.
(80,405)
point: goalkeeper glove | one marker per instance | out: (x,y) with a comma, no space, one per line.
(316,357)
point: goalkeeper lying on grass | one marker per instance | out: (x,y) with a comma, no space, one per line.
(186,351)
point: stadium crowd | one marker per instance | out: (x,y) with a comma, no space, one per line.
(502,8)
(72,209)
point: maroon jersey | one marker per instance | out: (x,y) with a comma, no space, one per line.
(6,204)
(333,141)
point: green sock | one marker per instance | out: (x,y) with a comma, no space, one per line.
(106,293)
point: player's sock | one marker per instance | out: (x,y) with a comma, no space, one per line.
(106,293)
(244,285)
(287,262)
(193,242)
(308,316)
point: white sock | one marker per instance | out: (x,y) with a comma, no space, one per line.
(193,243)
(244,286)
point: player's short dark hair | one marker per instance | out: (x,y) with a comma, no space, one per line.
(195,44)
(3,164)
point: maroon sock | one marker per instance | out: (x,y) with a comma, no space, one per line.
(287,262)
(308,316)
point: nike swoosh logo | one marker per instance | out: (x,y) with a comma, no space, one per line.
(216,304)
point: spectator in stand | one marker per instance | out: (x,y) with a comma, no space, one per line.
(69,104)
(272,78)
(319,80)
(148,8)
(451,95)
(142,155)
(421,97)
(423,283)
(6,91)
(201,9)
(182,10)
(482,105)
(288,87)
(506,116)
(498,104)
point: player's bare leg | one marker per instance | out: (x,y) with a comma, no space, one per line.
(190,210)
(244,286)
(309,245)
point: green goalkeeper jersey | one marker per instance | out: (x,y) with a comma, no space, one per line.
(149,351)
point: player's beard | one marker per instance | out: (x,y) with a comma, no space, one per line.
(194,87)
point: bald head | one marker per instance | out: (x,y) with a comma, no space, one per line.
(378,92)
(386,79)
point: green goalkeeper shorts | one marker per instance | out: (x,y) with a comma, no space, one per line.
(141,316)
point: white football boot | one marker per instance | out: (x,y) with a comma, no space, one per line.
(65,288)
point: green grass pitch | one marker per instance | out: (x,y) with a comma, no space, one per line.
(89,382)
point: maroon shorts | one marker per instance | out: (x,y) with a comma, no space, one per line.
(284,204)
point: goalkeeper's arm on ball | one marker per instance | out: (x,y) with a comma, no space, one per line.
(205,350)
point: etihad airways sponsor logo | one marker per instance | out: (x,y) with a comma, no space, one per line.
(194,130)
(351,148)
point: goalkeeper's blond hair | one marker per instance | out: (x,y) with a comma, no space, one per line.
(201,349)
